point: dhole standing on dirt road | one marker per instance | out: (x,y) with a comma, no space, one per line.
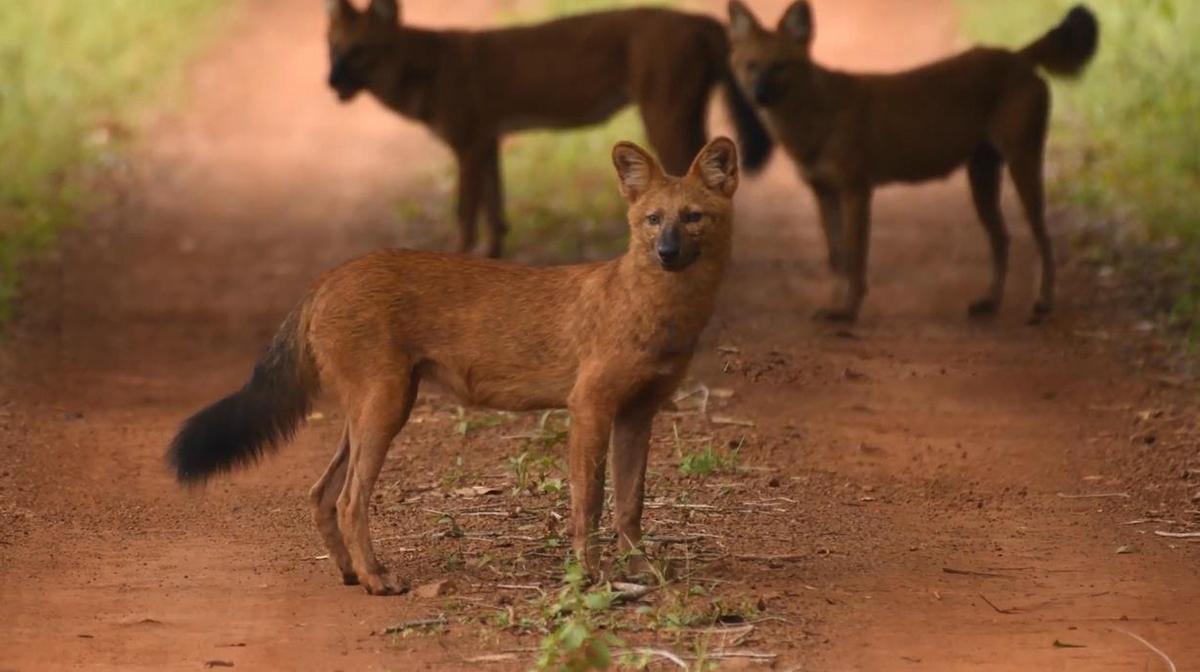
(609,341)
(470,88)
(849,133)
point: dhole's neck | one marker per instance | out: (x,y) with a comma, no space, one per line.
(687,295)
(805,116)
(404,79)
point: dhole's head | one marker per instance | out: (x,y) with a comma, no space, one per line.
(674,221)
(357,42)
(766,62)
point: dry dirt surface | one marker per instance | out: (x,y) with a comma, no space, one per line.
(921,492)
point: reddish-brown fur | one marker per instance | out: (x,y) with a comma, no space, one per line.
(608,341)
(470,88)
(850,132)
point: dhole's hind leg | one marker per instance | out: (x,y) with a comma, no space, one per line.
(983,171)
(323,497)
(378,417)
(1026,172)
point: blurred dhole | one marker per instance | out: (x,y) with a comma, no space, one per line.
(471,87)
(850,132)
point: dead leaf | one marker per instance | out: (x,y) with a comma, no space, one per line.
(477,491)
(727,420)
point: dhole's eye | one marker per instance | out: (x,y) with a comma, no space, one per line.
(654,219)
(692,217)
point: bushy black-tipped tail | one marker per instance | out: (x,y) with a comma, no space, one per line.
(753,139)
(1069,46)
(240,428)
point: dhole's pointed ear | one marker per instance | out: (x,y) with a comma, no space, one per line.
(339,8)
(388,10)
(717,166)
(636,170)
(797,22)
(741,20)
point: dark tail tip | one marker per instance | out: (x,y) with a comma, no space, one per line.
(233,432)
(754,140)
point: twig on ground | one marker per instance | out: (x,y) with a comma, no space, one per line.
(729,655)
(998,609)
(768,558)
(492,658)
(1094,495)
(661,653)
(1140,521)
(408,625)
(971,572)
(1166,659)
(1178,535)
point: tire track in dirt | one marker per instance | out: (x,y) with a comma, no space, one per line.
(922,443)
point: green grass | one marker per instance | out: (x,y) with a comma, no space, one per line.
(1125,141)
(70,73)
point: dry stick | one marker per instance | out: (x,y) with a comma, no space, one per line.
(665,655)
(1167,659)
(752,655)
(1178,535)
(419,623)
(993,606)
(768,558)
(1094,495)
(970,572)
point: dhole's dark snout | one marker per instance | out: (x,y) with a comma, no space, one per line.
(342,80)
(670,250)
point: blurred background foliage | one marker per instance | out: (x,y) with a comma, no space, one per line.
(71,74)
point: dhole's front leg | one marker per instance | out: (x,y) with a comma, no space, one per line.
(830,209)
(470,193)
(587,449)
(630,448)
(493,195)
(855,206)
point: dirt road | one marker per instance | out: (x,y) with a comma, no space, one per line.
(908,495)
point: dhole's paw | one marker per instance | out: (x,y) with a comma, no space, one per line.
(1040,310)
(983,308)
(637,568)
(384,584)
(835,315)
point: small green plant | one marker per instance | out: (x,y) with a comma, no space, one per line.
(576,642)
(466,424)
(707,462)
(531,473)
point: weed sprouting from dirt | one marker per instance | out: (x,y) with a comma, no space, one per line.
(708,461)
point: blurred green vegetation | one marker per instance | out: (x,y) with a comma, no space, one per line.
(71,74)
(1125,141)
(561,192)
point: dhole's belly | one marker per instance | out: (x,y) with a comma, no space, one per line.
(567,113)
(504,386)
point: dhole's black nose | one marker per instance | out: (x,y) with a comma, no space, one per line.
(668,247)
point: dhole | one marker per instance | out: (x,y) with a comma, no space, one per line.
(609,341)
(469,88)
(848,133)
